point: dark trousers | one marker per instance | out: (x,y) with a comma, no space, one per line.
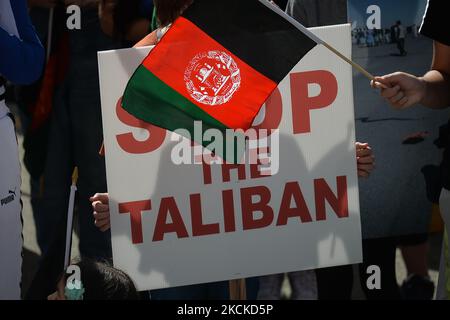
(75,138)
(401,46)
(336,283)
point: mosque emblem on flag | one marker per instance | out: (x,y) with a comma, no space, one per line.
(212,78)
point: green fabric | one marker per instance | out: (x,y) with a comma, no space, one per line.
(153,101)
(154,24)
(150,99)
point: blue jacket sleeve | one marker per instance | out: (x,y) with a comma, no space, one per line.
(21,60)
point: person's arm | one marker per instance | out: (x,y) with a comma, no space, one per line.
(432,90)
(22,59)
(437,92)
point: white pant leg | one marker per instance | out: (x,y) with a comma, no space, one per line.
(444,205)
(10,213)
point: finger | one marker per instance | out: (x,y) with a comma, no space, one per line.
(149,40)
(363,153)
(101,223)
(400,95)
(381,81)
(366,167)
(99,196)
(392,79)
(391,92)
(366,160)
(378,85)
(100,207)
(403,102)
(361,145)
(362,174)
(105,227)
(101,215)
(102,197)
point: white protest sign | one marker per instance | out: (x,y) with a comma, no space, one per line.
(176,225)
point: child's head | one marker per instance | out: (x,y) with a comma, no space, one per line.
(168,10)
(98,281)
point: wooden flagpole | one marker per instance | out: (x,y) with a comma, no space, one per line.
(317,40)
(354,64)
(238,289)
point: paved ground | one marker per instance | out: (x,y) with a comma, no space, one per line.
(393,199)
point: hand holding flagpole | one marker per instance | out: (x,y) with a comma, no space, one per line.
(73,190)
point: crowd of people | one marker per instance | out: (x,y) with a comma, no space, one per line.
(365,37)
(59,110)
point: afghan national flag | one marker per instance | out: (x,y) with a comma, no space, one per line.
(218,63)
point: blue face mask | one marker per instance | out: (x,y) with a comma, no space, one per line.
(74,290)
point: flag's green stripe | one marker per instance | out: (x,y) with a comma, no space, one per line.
(150,99)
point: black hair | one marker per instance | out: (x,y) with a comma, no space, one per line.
(101,281)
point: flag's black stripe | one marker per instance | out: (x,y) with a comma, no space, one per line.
(257,35)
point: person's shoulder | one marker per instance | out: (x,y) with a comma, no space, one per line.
(434,18)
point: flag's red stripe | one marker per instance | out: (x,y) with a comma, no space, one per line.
(169,60)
